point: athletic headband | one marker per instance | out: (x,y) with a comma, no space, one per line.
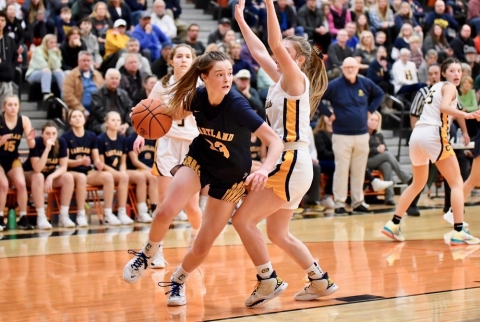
(316,48)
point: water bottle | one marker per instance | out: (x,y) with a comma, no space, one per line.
(459,137)
(12,219)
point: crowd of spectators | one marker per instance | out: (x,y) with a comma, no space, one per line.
(105,56)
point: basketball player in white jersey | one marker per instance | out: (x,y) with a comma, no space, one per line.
(172,148)
(430,142)
(300,81)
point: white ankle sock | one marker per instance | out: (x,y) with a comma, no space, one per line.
(107,211)
(122,211)
(142,208)
(151,248)
(40,212)
(24,213)
(80,213)
(265,270)
(180,275)
(314,272)
(64,211)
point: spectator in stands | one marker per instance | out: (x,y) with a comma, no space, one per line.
(436,40)
(466,69)
(440,17)
(36,27)
(417,8)
(191,39)
(65,23)
(402,41)
(80,84)
(431,57)
(473,17)
(71,48)
(405,15)
(404,74)
(353,40)
(416,54)
(116,39)
(163,21)
(471,58)
(395,6)
(133,47)
(313,22)
(337,53)
(101,21)
(366,51)
(358,8)
(217,35)
(243,86)
(46,169)
(467,95)
(14,29)
(380,158)
(175,10)
(227,42)
(381,18)
(91,42)
(131,76)
(160,66)
(148,85)
(338,18)
(362,24)
(46,63)
(110,98)
(84,8)
(17,7)
(149,36)
(353,98)
(136,7)
(379,71)
(381,40)
(288,19)
(119,10)
(239,63)
(8,60)
(463,40)
(246,56)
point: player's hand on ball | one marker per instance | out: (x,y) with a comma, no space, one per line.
(138,144)
(257,180)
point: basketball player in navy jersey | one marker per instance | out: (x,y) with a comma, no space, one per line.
(83,155)
(219,157)
(45,169)
(12,127)
(141,165)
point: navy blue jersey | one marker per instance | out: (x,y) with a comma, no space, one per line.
(223,146)
(10,149)
(79,147)
(112,151)
(146,155)
(53,159)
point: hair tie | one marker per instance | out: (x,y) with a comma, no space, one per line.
(317,49)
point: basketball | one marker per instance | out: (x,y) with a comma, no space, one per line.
(148,119)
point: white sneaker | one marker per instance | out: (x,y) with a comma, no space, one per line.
(379,185)
(176,294)
(393,231)
(317,288)
(182,216)
(328,203)
(42,223)
(266,290)
(66,222)
(448,216)
(158,261)
(112,220)
(124,219)
(135,267)
(82,221)
(144,218)
(463,238)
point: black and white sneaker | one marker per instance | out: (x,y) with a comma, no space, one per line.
(3,226)
(361,210)
(341,212)
(135,267)
(176,294)
(24,224)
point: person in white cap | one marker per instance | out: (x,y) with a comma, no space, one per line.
(243,86)
(116,38)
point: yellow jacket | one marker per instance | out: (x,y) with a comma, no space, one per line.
(114,42)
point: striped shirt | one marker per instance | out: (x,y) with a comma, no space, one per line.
(416,108)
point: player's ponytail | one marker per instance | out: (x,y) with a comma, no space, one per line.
(183,91)
(313,67)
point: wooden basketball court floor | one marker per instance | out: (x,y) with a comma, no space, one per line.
(75,275)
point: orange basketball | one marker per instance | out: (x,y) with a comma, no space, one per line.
(148,119)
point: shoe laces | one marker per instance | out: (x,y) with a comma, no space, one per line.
(256,287)
(174,288)
(140,260)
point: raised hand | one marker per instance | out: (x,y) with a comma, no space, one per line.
(32,134)
(239,8)
(50,143)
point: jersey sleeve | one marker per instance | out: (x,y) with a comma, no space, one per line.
(35,152)
(130,141)
(100,145)
(93,141)
(246,116)
(62,149)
